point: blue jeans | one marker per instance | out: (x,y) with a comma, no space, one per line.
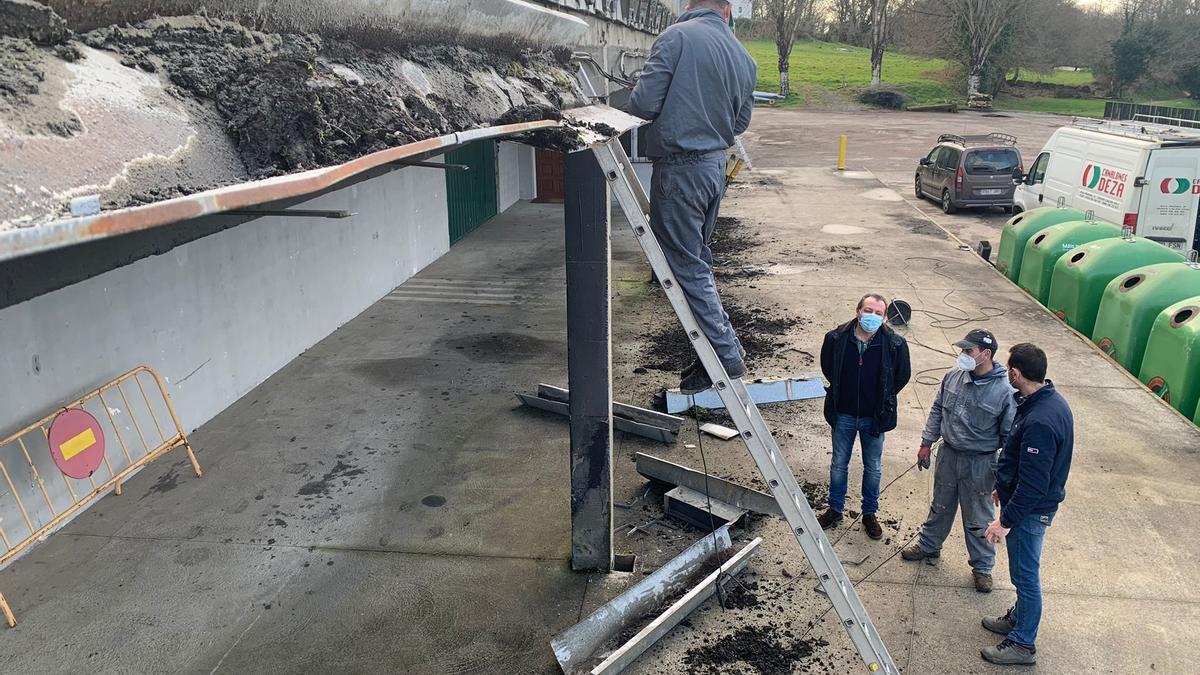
(1024,544)
(844,432)
(685,195)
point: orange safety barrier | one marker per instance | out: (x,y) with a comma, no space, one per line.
(74,442)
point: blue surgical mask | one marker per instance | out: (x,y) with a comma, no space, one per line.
(966,361)
(870,322)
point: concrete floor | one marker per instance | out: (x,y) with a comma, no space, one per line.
(381,504)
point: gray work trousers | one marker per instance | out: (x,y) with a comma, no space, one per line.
(685,194)
(962,480)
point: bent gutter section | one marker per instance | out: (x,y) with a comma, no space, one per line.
(63,233)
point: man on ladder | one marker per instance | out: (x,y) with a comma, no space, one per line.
(697,88)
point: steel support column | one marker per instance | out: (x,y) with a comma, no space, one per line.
(589,361)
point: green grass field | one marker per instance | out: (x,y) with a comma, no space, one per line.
(1072,78)
(824,72)
(844,69)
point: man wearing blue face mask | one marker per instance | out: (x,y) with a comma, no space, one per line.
(866,365)
(971,414)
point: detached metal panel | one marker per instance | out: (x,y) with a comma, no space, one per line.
(471,195)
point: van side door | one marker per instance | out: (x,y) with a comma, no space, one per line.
(926,170)
(1035,181)
(947,167)
(1168,210)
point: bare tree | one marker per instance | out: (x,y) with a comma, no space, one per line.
(982,23)
(787,17)
(851,21)
(878,37)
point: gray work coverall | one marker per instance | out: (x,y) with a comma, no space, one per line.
(697,87)
(972,417)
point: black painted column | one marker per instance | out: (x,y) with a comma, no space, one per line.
(589,361)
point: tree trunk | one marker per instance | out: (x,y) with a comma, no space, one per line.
(784,89)
(878,35)
(974,78)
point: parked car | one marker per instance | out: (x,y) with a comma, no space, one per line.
(1142,176)
(970,171)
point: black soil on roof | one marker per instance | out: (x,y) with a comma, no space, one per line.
(299,101)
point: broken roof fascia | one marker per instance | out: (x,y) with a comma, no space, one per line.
(71,231)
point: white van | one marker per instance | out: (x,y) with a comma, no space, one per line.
(1144,176)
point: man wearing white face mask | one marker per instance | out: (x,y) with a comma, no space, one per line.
(971,414)
(866,365)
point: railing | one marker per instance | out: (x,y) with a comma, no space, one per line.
(1117,110)
(74,441)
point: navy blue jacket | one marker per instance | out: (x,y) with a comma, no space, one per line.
(860,376)
(697,87)
(894,366)
(1031,474)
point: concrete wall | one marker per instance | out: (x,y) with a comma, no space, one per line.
(215,316)
(515,174)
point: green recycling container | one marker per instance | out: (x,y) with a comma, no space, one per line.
(1196,419)
(1131,303)
(1171,367)
(1021,227)
(1045,248)
(1081,275)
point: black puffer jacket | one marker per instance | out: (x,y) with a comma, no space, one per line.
(895,371)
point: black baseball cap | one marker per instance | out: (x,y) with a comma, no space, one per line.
(979,338)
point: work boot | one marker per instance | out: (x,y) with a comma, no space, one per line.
(871,524)
(915,552)
(694,381)
(983,582)
(695,378)
(829,519)
(1001,625)
(1009,653)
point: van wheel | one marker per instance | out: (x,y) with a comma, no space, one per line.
(920,192)
(947,203)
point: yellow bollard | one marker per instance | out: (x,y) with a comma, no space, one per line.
(841,153)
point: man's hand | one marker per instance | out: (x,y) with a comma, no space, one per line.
(995,532)
(995,498)
(923,458)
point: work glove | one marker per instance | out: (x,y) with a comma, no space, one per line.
(923,458)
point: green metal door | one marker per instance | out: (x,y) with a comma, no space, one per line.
(471,195)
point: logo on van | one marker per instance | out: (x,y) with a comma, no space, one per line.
(1179,186)
(1101,179)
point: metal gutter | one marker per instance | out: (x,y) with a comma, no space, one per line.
(62,233)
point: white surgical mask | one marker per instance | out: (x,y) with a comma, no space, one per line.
(966,361)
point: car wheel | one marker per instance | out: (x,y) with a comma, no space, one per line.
(947,202)
(918,190)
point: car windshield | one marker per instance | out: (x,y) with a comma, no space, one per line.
(995,161)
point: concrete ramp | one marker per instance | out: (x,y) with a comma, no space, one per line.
(484,23)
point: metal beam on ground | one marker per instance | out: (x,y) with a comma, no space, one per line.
(589,361)
(731,493)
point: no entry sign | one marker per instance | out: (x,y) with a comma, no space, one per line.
(76,443)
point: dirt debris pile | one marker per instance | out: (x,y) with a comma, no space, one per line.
(765,650)
(284,102)
(33,21)
(295,102)
(758,328)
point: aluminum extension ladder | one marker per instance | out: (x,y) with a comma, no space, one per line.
(758,438)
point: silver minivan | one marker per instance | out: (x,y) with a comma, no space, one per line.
(968,171)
